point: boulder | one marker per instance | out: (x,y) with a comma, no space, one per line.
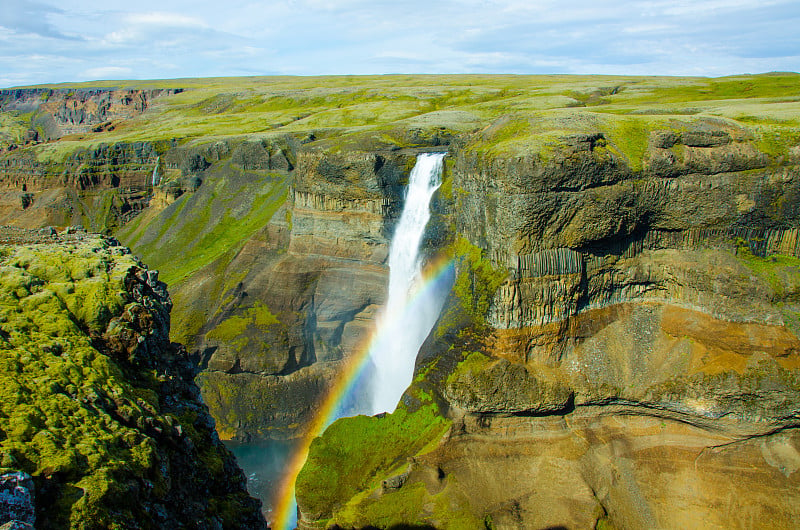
(17,500)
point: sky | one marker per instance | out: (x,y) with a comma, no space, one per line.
(46,41)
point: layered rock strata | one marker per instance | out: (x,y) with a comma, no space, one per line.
(323,294)
(60,112)
(620,349)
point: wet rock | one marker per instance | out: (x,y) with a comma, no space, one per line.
(17,499)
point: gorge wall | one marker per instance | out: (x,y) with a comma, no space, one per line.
(620,348)
(620,345)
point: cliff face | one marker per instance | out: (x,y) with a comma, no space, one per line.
(99,186)
(278,282)
(620,348)
(55,113)
(304,294)
(620,345)
(97,405)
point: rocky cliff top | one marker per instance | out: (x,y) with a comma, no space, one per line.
(97,405)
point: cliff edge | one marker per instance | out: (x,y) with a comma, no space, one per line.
(97,406)
(620,348)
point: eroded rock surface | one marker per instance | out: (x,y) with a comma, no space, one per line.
(637,365)
(620,347)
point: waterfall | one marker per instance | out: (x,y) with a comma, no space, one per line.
(375,383)
(156,175)
(403,326)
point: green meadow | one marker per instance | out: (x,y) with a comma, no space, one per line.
(382,108)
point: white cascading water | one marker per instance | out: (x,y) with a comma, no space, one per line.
(402,329)
(156,174)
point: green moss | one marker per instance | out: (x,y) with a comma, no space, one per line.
(477,280)
(204,226)
(776,141)
(629,136)
(355,454)
(400,507)
(13,126)
(604,523)
(241,402)
(474,363)
(737,87)
(55,386)
(258,316)
(412,504)
(781,273)
(506,135)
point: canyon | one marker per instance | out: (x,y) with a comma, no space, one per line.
(620,346)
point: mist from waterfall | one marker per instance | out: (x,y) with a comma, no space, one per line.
(403,326)
(375,379)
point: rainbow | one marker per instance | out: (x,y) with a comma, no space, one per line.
(436,275)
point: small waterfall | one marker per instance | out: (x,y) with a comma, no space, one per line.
(156,175)
(403,326)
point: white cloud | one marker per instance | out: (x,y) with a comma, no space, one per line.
(195,38)
(107,72)
(704,7)
(648,28)
(123,36)
(157,18)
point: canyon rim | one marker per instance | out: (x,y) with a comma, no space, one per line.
(619,348)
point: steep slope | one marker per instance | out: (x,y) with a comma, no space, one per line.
(620,348)
(96,404)
(574,203)
(274,286)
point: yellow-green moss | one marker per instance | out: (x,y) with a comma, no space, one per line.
(229,329)
(55,386)
(776,141)
(477,280)
(204,226)
(410,505)
(778,271)
(474,362)
(357,454)
(629,136)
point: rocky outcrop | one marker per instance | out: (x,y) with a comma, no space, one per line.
(17,501)
(59,112)
(98,407)
(638,348)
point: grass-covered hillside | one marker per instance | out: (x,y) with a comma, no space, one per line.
(386,107)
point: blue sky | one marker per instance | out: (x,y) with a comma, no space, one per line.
(44,41)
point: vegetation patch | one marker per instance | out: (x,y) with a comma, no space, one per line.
(229,329)
(629,136)
(61,400)
(87,418)
(473,364)
(776,141)
(477,280)
(356,454)
(781,273)
(203,226)
(735,87)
